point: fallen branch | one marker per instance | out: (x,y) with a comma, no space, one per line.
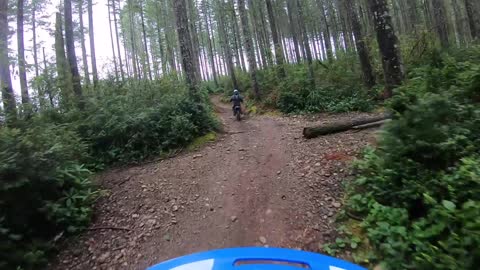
(312,132)
(109,228)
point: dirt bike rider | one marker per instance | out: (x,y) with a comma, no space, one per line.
(237,101)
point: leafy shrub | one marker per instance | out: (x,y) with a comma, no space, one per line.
(134,122)
(338,87)
(44,190)
(44,181)
(420,188)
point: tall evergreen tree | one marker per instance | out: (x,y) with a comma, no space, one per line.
(306,43)
(362,49)
(91,38)
(388,45)
(22,69)
(249,47)
(82,43)
(8,97)
(71,55)
(185,42)
(64,81)
(276,41)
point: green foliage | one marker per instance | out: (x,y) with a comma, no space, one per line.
(420,188)
(134,122)
(44,190)
(44,162)
(338,88)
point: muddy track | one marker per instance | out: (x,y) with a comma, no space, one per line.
(260,183)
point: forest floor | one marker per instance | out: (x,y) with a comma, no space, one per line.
(259,184)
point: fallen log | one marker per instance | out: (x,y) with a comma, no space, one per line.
(371,125)
(312,132)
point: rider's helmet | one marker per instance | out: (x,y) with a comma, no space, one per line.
(235,92)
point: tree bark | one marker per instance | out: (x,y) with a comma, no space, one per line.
(111,40)
(145,44)
(249,47)
(191,15)
(34,39)
(473,12)
(133,52)
(21,54)
(64,81)
(209,42)
(412,15)
(312,132)
(120,62)
(293,31)
(388,45)
(186,49)
(226,48)
(71,55)
(276,41)
(48,87)
(82,40)
(440,20)
(362,49)
(8,97)
(306,44)
(92,43)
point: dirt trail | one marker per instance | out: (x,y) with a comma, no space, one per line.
(260,183)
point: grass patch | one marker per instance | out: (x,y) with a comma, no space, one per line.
(202,140)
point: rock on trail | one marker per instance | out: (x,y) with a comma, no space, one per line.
(260,183)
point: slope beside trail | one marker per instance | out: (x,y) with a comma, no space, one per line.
(259,184)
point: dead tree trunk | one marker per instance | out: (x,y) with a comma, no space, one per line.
(312,132)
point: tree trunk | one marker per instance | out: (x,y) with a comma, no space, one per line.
(71,55)
(440,20)
(186,49)
(82,39)
(362,49)
(293,30)
(112,41)
(191,8)
(5,80)
(168,42)
(327,39)
(249,47)
(276,41)
(312,132)
(149,70)
(227,49)
(238,39)
(34,39)
(388,45)
(265,37)
(412,15)
(209,42)
(306,44)
(133,52)
(473,12)
(63,68)
(21,54)
(48,87)
(159,39)
(460,27)
(92,43)
(120,62)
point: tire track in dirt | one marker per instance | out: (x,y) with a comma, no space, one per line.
(249,188)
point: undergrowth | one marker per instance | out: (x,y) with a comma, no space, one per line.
(338,88)
(418,191)
(46,161)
